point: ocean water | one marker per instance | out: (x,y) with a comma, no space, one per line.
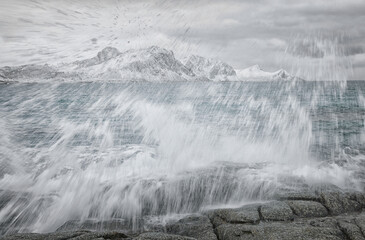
(134,151)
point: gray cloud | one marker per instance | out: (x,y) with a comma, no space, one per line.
(242,33)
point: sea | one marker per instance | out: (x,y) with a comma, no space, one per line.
(143,151)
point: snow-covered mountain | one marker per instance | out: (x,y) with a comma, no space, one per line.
(148,64)
(151,64)
(255,73)
(29,71)
(211,69)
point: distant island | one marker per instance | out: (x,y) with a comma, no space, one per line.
(148,64)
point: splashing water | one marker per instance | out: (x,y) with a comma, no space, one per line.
(104,151)
(319,56)
(79,151)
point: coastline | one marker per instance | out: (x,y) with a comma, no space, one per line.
(327,214)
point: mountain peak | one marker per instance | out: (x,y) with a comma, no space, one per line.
(157,49)
(255,72)
(212,69)
(255,67)
(152,64)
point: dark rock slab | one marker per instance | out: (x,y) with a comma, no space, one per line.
(161,236)
(25,236)
(92,225)
(283,231)
(100,236)
(307,208)
(82,235)
(337,203)
(244,214)
(196,226)
(352,231)
(276,211)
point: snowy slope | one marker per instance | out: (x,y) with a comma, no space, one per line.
(147,64)
(151,64)
(255,73)
(211,69)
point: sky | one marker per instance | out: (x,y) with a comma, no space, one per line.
(271,33)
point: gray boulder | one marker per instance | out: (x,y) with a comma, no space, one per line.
(307,208)
(337,203)
(358,197)
(352,231)
(276,211)
(360,222)
(92,225)
(196,226)
(305,195)
(81,235)
(245,214)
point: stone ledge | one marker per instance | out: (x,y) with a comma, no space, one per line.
(335,215)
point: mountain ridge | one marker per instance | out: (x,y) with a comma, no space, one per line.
(146,64)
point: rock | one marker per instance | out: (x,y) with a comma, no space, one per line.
(337,203)
(196,226)
(25,236)
(282,231)
(69,226)
(99,236)
(245,214)
(327,222)
(81,235)
(358,197)
(307,208)
(92,225)
(352,231)
(161,236)
(306,195)
(360,222)
(239,231)
(276,211)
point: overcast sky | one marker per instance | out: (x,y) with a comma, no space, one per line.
(239,32)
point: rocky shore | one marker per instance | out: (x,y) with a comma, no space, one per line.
(293,215)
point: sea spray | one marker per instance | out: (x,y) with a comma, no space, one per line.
(132,151)
(135,151)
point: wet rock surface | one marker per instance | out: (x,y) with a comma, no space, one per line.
(276,230)
(161,236)
(305,195)
(317,215)
(92,225)
(338,202)
(307,208)
(245,214)
(196,226)
(276,211)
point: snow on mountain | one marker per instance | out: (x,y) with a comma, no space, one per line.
(211,69)
(102,56)
(151,64)
(255,73)
(148,64)
(30,71)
